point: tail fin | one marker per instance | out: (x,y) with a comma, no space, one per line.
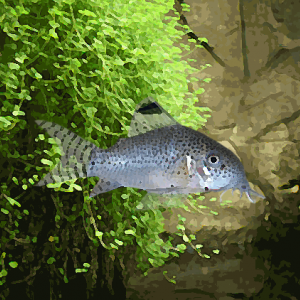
(76,154)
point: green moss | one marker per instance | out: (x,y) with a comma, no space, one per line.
(85,63)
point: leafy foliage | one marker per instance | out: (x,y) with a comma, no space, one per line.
(83,63)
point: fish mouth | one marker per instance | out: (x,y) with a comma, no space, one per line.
(248,193)
(208,183)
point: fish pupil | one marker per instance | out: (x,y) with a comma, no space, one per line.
(213,159)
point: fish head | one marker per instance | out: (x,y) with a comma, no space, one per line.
(220,170)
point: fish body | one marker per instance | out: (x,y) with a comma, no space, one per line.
(159,156)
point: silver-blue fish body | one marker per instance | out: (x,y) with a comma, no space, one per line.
(171,159)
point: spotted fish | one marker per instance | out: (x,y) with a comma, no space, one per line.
(159,156)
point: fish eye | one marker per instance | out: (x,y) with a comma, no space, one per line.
(213,159)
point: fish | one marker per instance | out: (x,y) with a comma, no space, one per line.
(159,156)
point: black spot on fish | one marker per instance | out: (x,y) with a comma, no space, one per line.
(222,167)
(150,109)
(206,188)
(93,163)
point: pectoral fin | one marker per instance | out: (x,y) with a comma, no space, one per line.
(154,201)
(104,185)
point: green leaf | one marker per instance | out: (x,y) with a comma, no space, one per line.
(192,237)
(12,201)
(13,264)
(214,212)
(51,260)
(181,247)
(13,66)
(53,24)
(99,233)
(180,227)
(53,34)
(5,121)
(46,162)
(185,238)
(87,13)
(120,243)
(15,180)
(129,231)
(18,113)
(61,270)
(114,246)
(5,211)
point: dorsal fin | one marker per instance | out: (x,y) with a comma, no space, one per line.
(149,115)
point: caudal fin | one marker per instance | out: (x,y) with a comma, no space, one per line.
(75,151)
